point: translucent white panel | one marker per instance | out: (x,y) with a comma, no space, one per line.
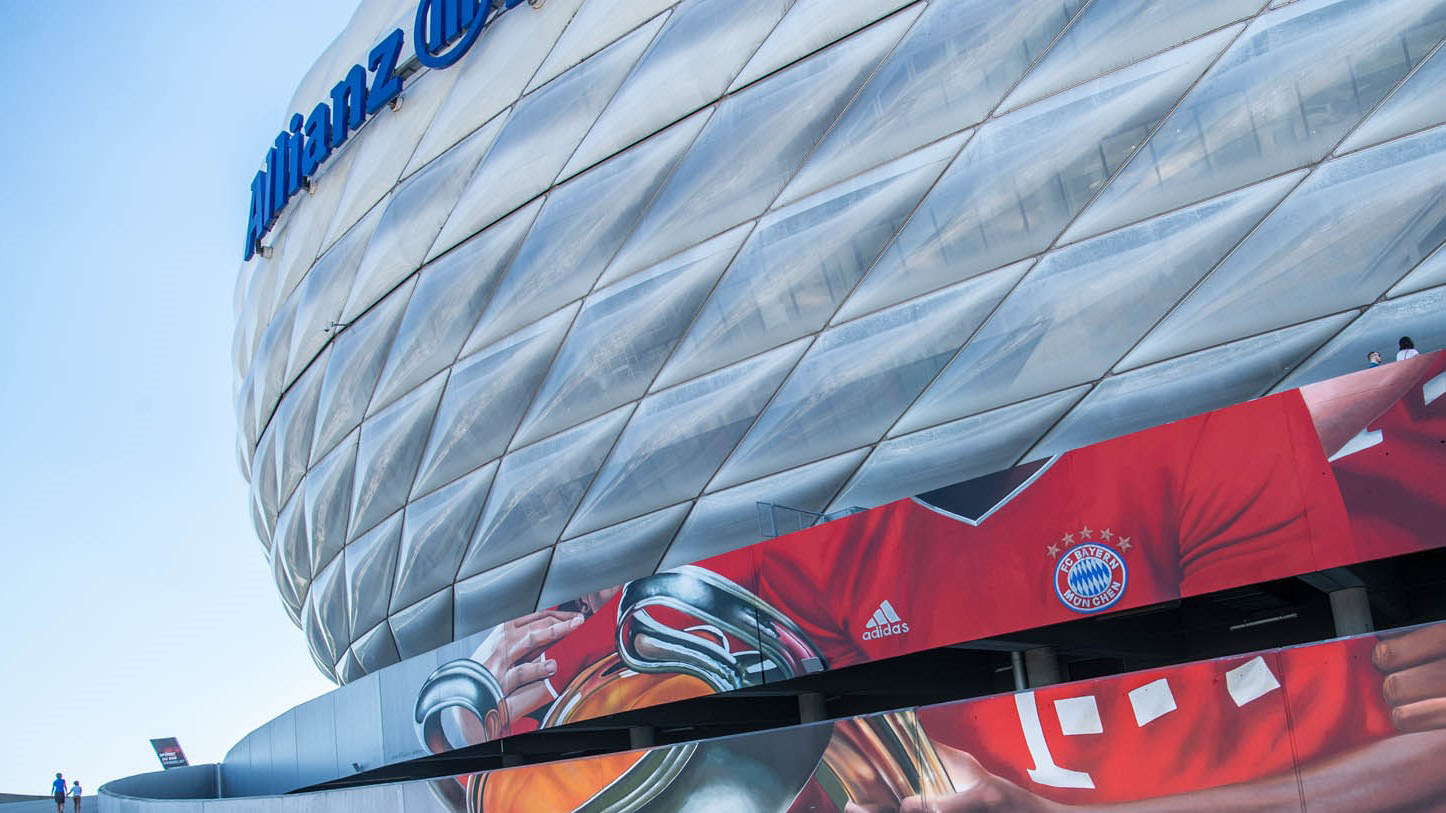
(726,178)
(264,488)
(485,398)
(802,261)
(383,147)
(445,307)
(1350,232)
(268,370)
(689,65)
(294,424)
(351,373)
(390,449)
(1430,273)
(575,235)
(285,587)
(1187,386)
(858,378)
(622,336)
(1417,316)
(327,607)
(536,490)
(951,69)
(1293,85)
(1083,307)
(296,238)
(493,74)
(370,562)
(954,452)
(259,303)
(539,137)
(290,563)
(321,295)
(424,626)
(1018,181)
(596,24)
(609,557)
(414,214)
(728,520)
(1417,104)
(809,26)
(674,443)
(376,649)
(328,501)
(435,534)
(261,523)
(346,671)
(1111,34)
(500,594)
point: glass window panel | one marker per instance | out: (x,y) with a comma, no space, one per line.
(621,338)
(413,216)
(486,395)
(953,452)
(501,594)
(1294,84)
(1111,34)
(356,360)
(609,557)
(802,261)
(1017,182)
(725,178)
(387,456)
(951,69)
(1417,316)
(596,24)
(370,562)
(1175,389)
(859,377)
(536,490)
(1353,229)
(538,138)
(1417,104)
(383,147)
(450,295)
(492,76)
(728,520)
(809,26)
(1084,306)
(424,626)
(328,501)
(376,649)
(575,236)
(1430,273)
(435,531)
(321,295)
(677,439)
(688,66)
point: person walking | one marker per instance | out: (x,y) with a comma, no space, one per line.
(75,794)
(57,789)
(1408,349)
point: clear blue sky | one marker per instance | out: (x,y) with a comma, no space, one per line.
(135,601)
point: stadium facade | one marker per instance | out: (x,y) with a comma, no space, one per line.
(543,300)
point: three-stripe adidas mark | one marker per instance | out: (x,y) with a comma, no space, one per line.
(885,622)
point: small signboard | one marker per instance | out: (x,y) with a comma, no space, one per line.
(169,752)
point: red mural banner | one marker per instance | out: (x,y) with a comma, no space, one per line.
(1352,724)
(1339,472)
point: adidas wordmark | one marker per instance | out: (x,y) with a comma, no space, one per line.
(884,623)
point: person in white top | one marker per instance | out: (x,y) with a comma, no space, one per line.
(1408,349)
(75,795)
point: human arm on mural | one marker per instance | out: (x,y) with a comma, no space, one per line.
(1399,772)
(1342,407)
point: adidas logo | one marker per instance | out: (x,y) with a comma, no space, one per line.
(885,622)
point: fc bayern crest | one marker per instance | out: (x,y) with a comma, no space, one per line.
(1090,577)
